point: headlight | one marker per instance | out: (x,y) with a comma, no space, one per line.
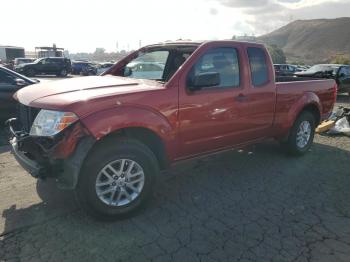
(49,123)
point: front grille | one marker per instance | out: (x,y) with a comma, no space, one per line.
(26,116)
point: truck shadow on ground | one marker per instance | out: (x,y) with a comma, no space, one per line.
(252,204)
(54,203)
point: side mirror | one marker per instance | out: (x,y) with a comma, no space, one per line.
(341,75)
(207,79)
(20,82)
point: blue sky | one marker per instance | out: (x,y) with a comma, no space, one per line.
(79,25)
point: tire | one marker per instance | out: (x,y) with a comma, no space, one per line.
(300,142)
(63,73)
(30,72)
(110,158)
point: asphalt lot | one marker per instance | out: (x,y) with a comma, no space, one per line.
(255,205)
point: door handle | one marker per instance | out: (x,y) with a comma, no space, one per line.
(241,98)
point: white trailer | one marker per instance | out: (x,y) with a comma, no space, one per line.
(9,53)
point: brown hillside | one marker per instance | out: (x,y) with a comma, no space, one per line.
(312,41)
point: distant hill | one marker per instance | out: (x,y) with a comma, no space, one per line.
(312,41)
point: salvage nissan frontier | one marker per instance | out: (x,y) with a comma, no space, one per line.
(107,137)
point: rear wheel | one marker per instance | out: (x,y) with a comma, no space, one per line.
(301,135)
(63,73)
(117,179)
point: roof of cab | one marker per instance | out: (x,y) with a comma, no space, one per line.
(198,43)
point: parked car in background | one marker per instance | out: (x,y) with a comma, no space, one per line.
(59,66)
(340,73)
(285,69)
(78,66)
(102,67)
(320,71)
(10,83)
(145,70)
(89,69)
(302,68)
(19,61)
(342,78)
(108,136)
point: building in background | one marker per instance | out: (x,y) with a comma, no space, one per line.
(30,54)
(49,51)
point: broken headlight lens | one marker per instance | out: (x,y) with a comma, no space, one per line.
(49,123)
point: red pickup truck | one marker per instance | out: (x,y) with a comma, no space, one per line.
(107,137)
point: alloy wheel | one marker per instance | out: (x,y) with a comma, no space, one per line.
(120,182)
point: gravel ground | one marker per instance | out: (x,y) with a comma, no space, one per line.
(255,205)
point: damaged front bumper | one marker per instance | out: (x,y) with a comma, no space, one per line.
(31,166)
(60,157)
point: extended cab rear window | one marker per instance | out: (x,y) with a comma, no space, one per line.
(258,66)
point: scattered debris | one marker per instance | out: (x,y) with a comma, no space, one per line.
(342,126)
(325,126)
(338,123)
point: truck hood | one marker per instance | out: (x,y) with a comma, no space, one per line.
(25,64)
(67,91)
(305,73)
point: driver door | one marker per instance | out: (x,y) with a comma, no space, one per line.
(51,66)
(211,118)
(41,66)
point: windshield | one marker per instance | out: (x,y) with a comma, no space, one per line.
(149,65)
(38,60)
(323,68)
(32,81)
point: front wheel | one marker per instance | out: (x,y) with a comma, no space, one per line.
(30,72)
(301,135)
(117,179)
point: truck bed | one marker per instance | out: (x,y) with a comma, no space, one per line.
(280,79)
(292,94)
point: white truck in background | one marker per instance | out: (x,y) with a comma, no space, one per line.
(9,53)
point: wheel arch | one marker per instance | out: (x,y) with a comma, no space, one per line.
(312,108)
(308,102)
(145,125)
(144,135)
